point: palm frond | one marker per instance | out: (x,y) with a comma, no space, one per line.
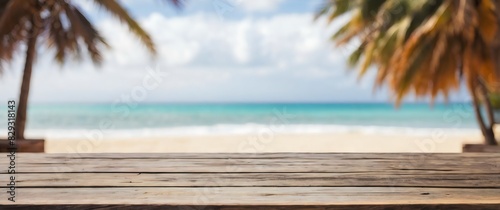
(335,8)
(122,14)
(80,27)
(423,47)
(370,9)
(423,14)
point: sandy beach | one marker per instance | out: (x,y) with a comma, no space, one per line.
(437,142)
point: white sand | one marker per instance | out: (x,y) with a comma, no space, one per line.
(328,142)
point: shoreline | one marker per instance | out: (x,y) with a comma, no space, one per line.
(438,142)
(243,129)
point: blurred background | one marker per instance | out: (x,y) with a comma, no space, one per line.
(226,72)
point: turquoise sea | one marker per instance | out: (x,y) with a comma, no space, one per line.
(71,120)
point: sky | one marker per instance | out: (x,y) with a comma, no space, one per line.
(208,51)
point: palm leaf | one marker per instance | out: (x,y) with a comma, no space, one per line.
(419,17)
(335,8)
(121,14)
(83,29)
(370,9)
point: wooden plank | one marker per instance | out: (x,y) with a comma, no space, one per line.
(481,148)
(199,163)
(260,196)
(432,166)
(248,181)
(31,145)
(365,179)
(255,207)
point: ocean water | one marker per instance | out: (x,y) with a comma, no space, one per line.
(122,120)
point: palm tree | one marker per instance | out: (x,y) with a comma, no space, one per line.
(61,25)
(425,47)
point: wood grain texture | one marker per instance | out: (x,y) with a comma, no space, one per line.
(257,207)
(258,196)
(270,163)
(365,179)
(255,181)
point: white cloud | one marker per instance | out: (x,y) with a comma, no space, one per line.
(258,5)
(283,41)
(284,57)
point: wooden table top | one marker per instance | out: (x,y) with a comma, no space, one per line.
(248,181)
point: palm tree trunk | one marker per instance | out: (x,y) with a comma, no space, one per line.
(25,85)
(487,130)
(486,100)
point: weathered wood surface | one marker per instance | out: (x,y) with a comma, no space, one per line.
(260,195)
(469,163)
(249,181)
(254,180)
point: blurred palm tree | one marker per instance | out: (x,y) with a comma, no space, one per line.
(425,47)
(63,27)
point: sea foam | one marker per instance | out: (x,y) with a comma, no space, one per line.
(245,129)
